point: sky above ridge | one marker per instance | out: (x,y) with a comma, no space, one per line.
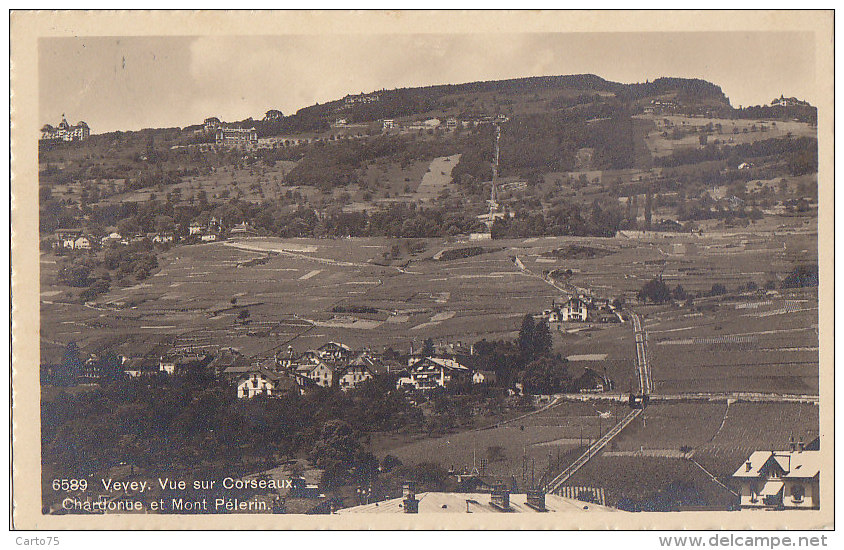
(129,83)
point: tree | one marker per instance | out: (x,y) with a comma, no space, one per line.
(389,462)
(546,375)
(804,275)
(75,274)
(71,366)
(525,340)
(717,289)
(541,340)
(336,451)
(656,291)
(108,366)
(428,347)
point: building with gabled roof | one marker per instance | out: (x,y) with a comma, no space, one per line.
(243,230)
(781,480)
(226,358)
(135,367)
(335,351)
(575,309)
(319,372)
(352,375)
(484,377)
(431,372)
(260,381)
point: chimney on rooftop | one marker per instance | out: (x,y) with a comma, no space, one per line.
(748,466)
(409,500)
(500,497)
(536,499)
(791,445)
(801,446)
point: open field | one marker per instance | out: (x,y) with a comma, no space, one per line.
(732,131)
(644,459)
(748,427)
(436,178)
(642,478)
(765,345)
(291,293)
(553,433)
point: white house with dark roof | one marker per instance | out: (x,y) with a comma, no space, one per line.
(71,239)
(781,480)
(432,372)
(260,381)
(575,309)
(484,377)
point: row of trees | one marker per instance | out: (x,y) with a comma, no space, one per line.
(602,219)
(800,153)
(656,291)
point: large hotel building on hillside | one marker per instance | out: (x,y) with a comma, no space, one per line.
(65,132)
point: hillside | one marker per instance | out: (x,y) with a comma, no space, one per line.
(579,155)
(514,96)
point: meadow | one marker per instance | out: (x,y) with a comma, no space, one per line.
(530,442)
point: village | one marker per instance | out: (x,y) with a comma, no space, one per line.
(292,300)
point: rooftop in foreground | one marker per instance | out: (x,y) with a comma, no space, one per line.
(462,503)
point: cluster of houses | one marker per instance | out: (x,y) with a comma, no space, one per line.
(77,239)
(336,365)
(213,230)
(661,107)
(332,365)
(583,309)
(450,123)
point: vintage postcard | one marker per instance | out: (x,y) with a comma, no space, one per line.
(422,270)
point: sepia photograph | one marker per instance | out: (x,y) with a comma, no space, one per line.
(435,272)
